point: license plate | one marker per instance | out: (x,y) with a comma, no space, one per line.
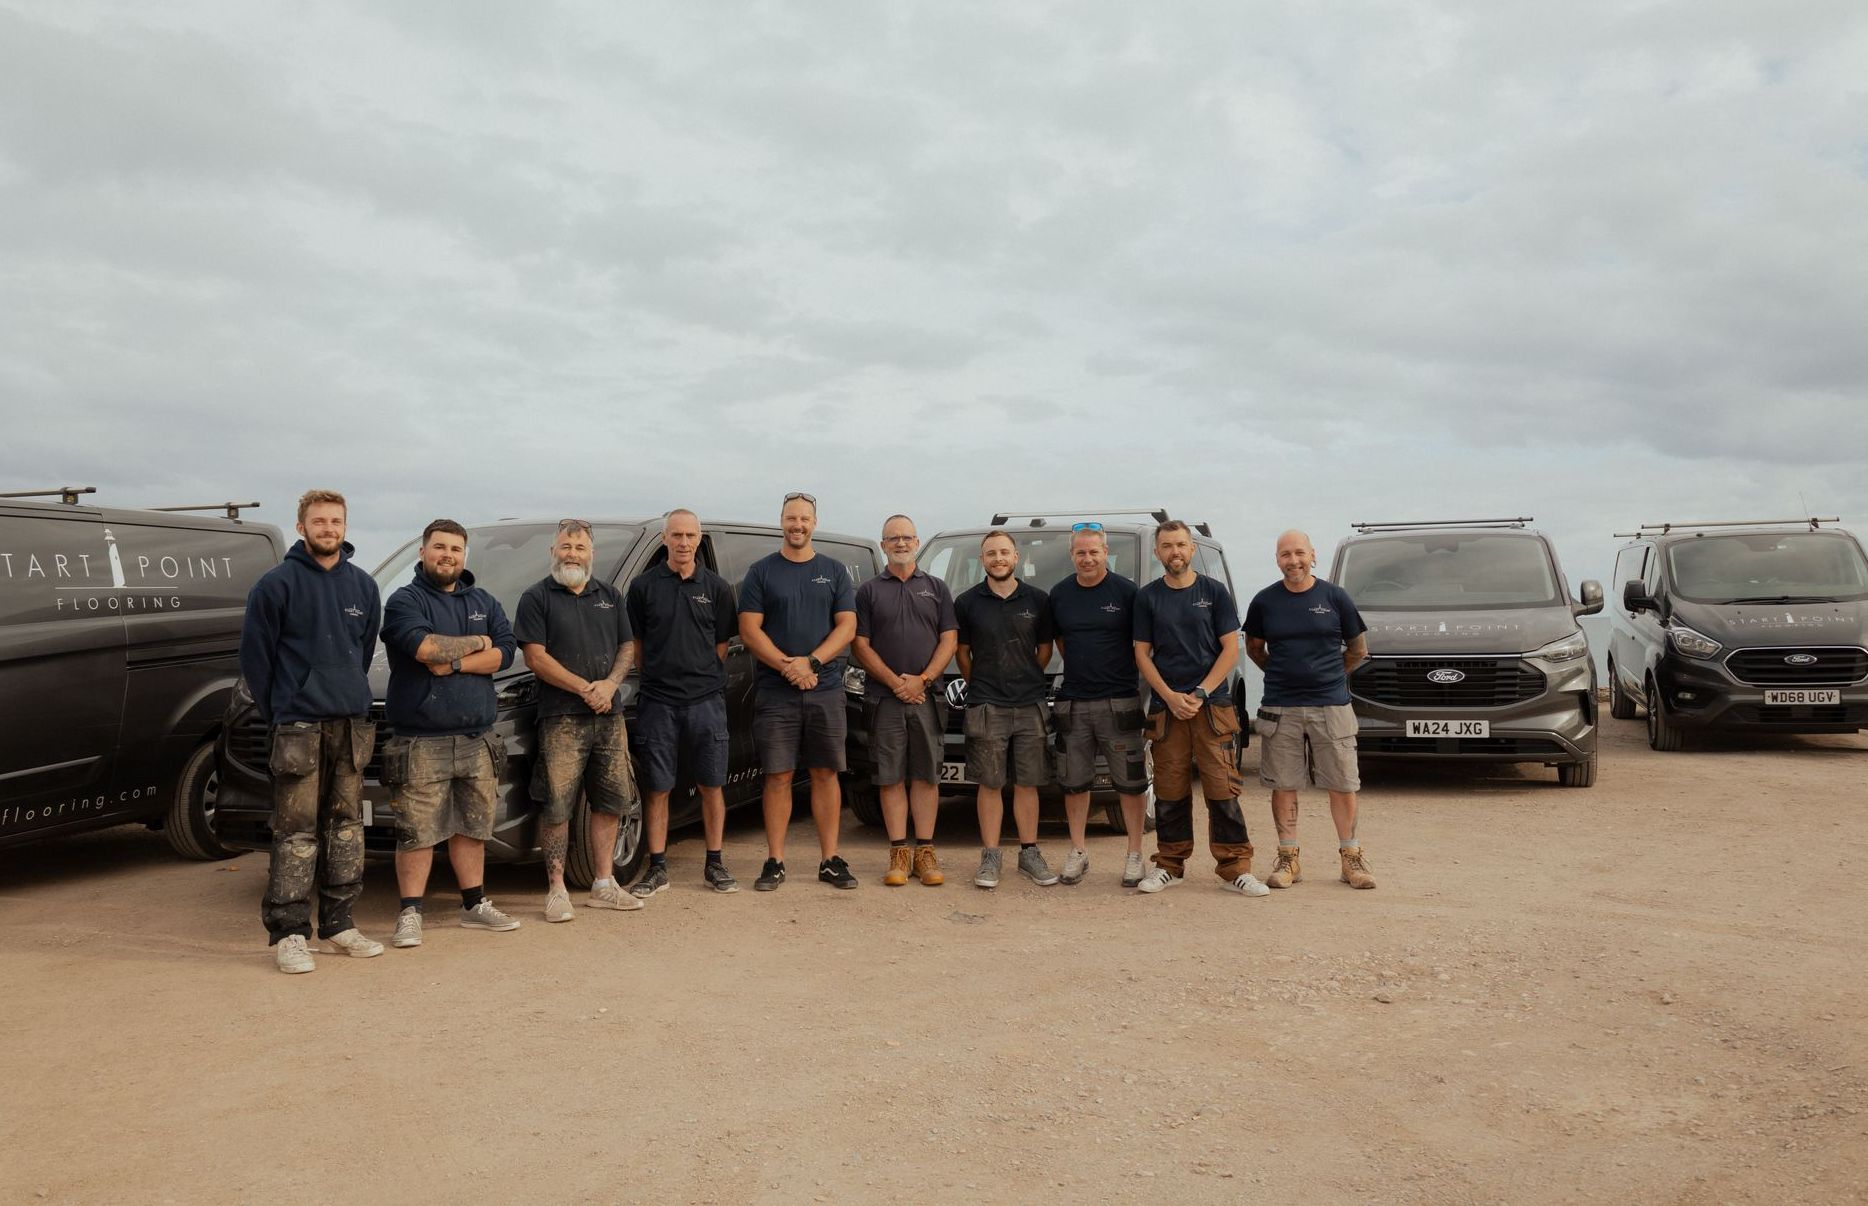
(953,772)
(1801,698)
(1449,728)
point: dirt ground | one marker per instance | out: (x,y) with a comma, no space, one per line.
(1643,992)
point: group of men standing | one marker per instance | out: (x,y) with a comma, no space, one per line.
(312,627)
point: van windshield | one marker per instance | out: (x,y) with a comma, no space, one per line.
(1043,558)
(1436,571)
(506,560)
(1772,567)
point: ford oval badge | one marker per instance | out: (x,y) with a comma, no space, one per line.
(1801,659)
(1446,677)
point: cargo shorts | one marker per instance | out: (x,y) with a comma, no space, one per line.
(1007,745)
(1308,747)
(589,752)
(444,786)
(905,739)
(1109,727)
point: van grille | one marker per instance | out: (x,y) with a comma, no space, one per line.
(1767,667)
(1489,683)
(1501,747)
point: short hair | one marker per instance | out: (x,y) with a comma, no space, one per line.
(312,498)
(1096,532)
(891,519)
(999,532)
(1172,525)
(669,517)
(443,525)
(799,496)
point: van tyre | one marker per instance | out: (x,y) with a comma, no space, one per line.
(1621,704)
(582,865)
(1662,733)
(864,801)
(1578,774)
(189,825)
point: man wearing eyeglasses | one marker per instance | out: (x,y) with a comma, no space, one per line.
(1098,709)
(797,616)
(575,634)
(904,638)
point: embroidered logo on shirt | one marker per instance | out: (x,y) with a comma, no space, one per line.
(1203,603)
(1113,608)
(1027,615)
(821,581)
(476,615)
(353,610)
(700,599)
(1320,610)
(927,594)
(605,605)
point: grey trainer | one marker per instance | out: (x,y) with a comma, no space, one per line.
(408,928)
(293,955)
(1076,866)
(653,880)
(990,864)
(1032,866)
(354,944)
(1132,870)
(486,916)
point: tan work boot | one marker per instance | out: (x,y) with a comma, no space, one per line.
(1287,870)
(1356,869)
(927,867)
(898,867)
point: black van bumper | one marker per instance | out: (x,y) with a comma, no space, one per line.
(1703,695)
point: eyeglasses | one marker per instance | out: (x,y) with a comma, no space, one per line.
(574,525)
(1086,527)
(900,539)
(810,498)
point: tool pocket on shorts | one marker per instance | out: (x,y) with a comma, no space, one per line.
(1128,715)
(1060,723)
(1267,723)
(395,771)
(496,749)
(1156,727)
(974,725)
(294,750)
(362,743)
(1340,723)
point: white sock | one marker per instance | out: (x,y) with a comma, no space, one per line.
(605,882)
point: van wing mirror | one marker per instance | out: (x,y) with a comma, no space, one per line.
(1635,598)
(1591,598)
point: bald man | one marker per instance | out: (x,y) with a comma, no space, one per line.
(1306,635)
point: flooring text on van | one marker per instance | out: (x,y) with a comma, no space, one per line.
(73,807)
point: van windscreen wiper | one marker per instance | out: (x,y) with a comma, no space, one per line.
(1787,599)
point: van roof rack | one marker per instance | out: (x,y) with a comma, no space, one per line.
(1812,522)
(232,509)
(66,494)
(1411,525)
(1037,518)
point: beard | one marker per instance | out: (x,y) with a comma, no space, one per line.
(999,575)
(443,577)
(324,546)
(570,575)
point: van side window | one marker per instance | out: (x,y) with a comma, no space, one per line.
(736,551)
(1628,565)
(861,562)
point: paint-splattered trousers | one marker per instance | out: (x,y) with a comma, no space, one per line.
(317,825)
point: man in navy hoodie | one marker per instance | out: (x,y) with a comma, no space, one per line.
(305,651)
(446,638)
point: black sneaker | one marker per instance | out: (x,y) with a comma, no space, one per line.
(772,876)
(719,880)
(654,880)
(835,872)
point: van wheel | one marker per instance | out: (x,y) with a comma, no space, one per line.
(1578,774)
(582,865)
(1621,704)
(190,822)
(1662,733)
(864,802)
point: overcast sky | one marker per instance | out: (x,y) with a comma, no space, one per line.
(1266,264)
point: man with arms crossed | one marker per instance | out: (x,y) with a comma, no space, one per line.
(1005,645)
(1187,643)
(904,638)
(446,638)
(1307,635)
(797,615)
(576,638)
(683,617)
(1099,705)
(305,651)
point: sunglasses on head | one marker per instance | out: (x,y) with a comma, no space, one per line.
(1091,526)
(810,498)
(574,525)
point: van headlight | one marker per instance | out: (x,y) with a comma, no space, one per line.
(1692,644)
(1567,649)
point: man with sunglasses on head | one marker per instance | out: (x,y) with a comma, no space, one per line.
(904,638)
(1098,709)
(575,634)
(797,615)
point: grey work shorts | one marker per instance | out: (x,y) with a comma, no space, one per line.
(444,786)
(1007,745)
(1110,727)
(1308,747)
(905,739)
(799,730)
(590,752)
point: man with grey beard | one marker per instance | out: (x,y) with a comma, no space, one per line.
(574,631)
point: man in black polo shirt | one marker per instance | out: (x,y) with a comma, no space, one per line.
(904,638)
(1099,705)
(1005,644)
(797,616)
(576,639)
(683,617)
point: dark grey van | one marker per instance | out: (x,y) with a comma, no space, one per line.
(119,651)
(506,558)
(1474,649)
(1740,627)
(1044,560)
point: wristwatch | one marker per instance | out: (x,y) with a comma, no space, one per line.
(1198,693)
(455,665)
(817,667)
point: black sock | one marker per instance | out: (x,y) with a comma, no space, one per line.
(472,896)
(924,842)
(713,858)
(898,841)
(1028,845)
(659,860)
(412,902)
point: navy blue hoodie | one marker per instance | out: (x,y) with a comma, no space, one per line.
(421,702)
(308,638)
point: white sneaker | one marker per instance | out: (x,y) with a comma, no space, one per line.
(487,916)
(1076,866)
(351,943)
(612,896)
(1132,871)
(408,928)
(558,906)
(1246,885)
(1159,880)
(293,955)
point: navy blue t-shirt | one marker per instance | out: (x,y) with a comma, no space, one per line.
(1097,627)
(799,600)
(1305,632)
(1185,627)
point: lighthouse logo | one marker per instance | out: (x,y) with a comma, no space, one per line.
(116,562)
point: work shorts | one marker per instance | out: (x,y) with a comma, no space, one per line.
(905,739)
(1308,747)
(588,752)
(1007,744)
(444,786)
(800,730)
(1109,727)
(671,735)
